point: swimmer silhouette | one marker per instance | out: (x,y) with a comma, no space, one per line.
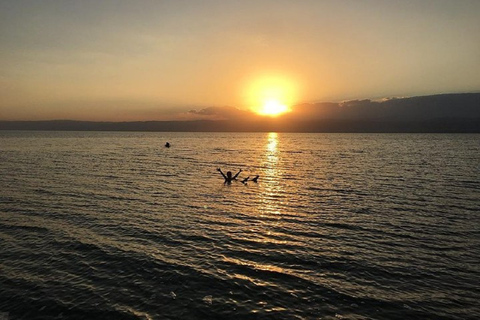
(244,181)
(167,145)
(255,179)
(228,178)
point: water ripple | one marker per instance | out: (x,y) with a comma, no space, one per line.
(115,226)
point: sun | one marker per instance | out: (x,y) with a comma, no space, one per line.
(271,95)
(273,108)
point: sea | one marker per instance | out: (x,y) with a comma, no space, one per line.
(114,225)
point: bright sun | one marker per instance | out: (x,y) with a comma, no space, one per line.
(271,95)
(272,108)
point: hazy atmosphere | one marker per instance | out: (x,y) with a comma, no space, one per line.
(159,60)
(239,159)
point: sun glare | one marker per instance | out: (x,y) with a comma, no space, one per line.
(271,95)
(272,108)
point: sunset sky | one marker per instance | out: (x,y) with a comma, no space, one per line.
(154,60)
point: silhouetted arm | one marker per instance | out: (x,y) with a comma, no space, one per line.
(235,176)
(224,176)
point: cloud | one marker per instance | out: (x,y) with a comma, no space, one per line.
(216,113)
(357,103)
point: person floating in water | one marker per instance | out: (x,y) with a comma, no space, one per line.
(244,181)
(167,145)
(228,178)
(255,179)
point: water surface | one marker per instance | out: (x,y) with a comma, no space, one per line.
(352,226)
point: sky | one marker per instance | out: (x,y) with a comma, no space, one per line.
(157,60)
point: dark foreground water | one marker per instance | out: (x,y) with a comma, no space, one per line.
(339,226)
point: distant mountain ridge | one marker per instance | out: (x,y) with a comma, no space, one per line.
(448,113)
(422,108)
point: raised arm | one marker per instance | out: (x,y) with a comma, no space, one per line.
(235,176)
(224,176)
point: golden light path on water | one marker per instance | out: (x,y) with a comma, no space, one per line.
(269,211)
(270,163)
(272,196)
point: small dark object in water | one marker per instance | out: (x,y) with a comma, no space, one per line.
(244,181)
(255,179)
(167,145)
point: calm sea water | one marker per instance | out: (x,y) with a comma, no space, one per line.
(339,226)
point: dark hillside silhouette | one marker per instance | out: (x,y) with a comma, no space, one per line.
(438,113)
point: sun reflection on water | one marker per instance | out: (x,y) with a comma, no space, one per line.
(273,189)
(271,155)
(272,143)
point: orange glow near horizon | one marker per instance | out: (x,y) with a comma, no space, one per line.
(271,95)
